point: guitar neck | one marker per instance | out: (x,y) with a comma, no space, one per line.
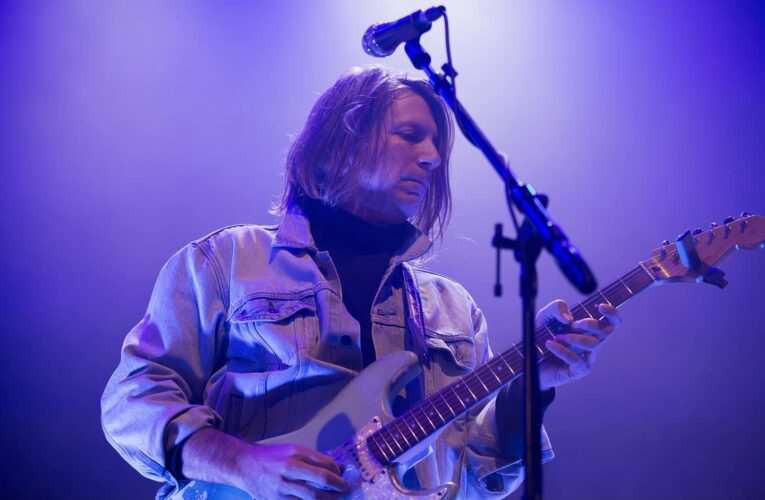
(438,410)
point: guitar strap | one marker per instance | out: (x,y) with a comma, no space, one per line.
(415,318)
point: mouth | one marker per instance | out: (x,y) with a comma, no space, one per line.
(419,185)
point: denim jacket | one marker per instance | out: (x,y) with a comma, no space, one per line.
(246,329)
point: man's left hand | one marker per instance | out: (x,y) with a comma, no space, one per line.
(573,350)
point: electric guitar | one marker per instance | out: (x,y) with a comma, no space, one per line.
(357,428)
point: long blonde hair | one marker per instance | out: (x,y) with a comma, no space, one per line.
(338,147)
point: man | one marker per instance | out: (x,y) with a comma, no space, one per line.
(251,330)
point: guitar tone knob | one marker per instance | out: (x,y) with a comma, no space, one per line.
(728,220)
(746,214)
(665,243)
(712,225)
(698,230)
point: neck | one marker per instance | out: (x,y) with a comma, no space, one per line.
(365,206)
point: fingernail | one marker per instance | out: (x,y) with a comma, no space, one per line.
(567,315)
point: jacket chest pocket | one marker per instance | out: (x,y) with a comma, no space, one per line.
(457,351)
(281,326)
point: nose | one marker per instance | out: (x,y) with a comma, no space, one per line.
(428,157)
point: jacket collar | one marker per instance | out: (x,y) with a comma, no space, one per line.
(295,232)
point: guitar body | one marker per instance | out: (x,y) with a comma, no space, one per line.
(340,429)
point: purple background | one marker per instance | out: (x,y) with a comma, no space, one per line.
(132,127)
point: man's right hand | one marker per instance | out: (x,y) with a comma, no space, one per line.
(263,471)
(290,470)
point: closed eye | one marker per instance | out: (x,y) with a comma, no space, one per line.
(411,136)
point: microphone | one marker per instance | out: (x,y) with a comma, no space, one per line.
(381,40)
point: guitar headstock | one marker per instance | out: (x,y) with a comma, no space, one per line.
(677,262)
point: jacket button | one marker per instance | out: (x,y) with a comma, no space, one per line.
(346,340)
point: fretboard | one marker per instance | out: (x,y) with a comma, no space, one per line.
(436,411)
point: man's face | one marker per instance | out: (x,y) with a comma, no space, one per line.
(408,158)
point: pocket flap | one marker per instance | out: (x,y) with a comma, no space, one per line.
(460,347)
(272,308)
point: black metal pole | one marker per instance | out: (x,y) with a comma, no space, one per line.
(538,231)
(526,254)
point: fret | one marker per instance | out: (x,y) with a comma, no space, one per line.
(492,371)
(546,328)
(604,297)
(626,286)
(425,414)
(375,437)
(502,357)
(478,376)
(416,421)
(400,434)
(408,418)
(391,435)
(382,436)
(443,420)
(448,405)
(454,388)
(642,266)
(590,306)
(459,397)
(515,346)
(492,382)
(616,293)
(580,306)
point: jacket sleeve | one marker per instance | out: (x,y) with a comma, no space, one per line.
(154,399)
(494,445)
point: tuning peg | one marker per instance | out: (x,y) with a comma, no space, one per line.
(746,214)
(662,250)
(683,235)
(698,230)
(728,219)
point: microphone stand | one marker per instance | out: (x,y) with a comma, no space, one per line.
(537,231)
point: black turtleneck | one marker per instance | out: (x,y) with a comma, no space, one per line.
(361,252)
